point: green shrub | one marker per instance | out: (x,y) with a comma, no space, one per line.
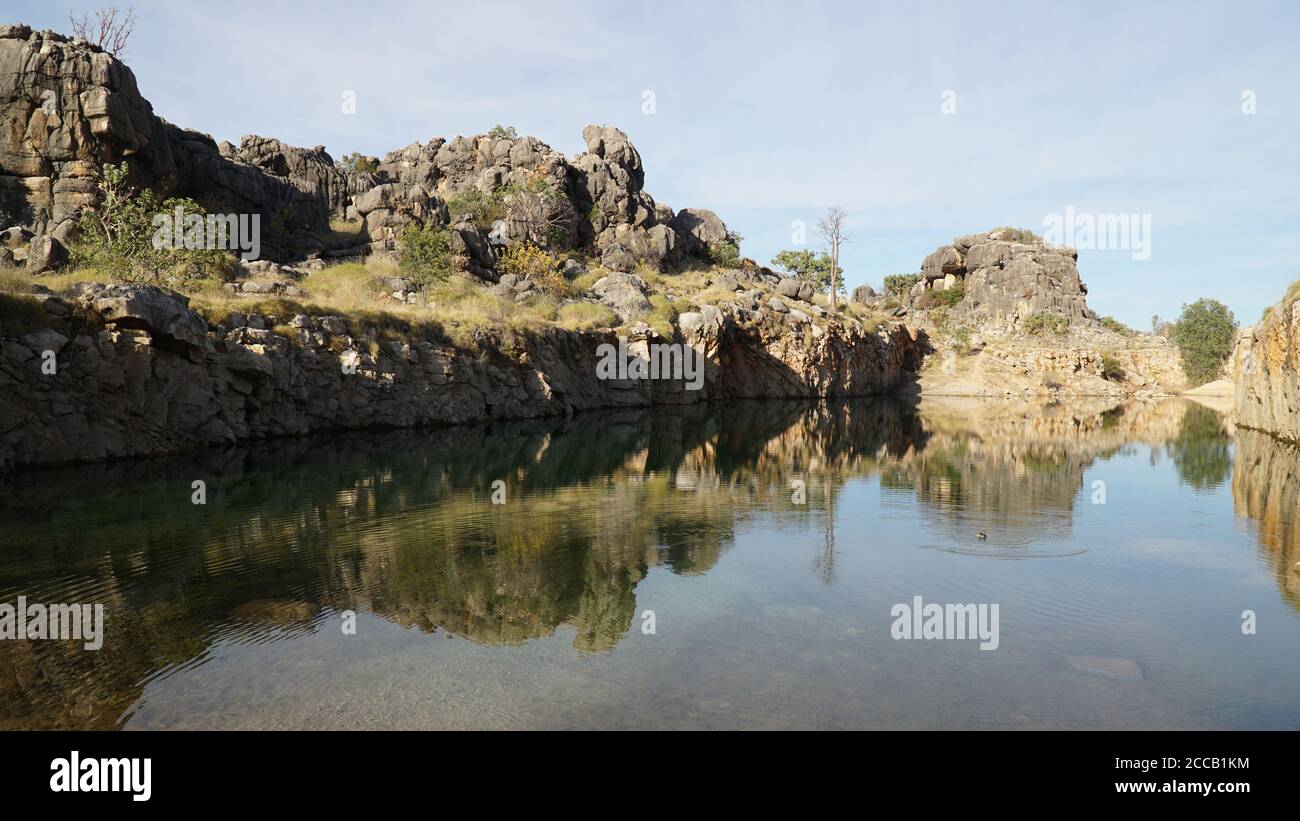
(962,336)
(1204,333)
(483,209)
(534,264)
(1043,324)
(900,284)
(356,161)
(122,238)
(1019,234)
(1111,369)
(948,298)
(726,254)
(503,132)
(808,266)
(425,254)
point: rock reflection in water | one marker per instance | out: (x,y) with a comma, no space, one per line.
(402,526)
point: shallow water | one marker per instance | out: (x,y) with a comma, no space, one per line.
(768,610)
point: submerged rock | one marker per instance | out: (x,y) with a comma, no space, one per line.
(1109,667)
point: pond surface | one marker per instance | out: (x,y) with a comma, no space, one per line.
(734,566)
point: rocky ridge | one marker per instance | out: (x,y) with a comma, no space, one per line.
(137,371)
(67,107)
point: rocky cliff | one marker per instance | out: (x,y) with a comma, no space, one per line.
(1008,316)
(113,371)
(1266,366)
(67,107)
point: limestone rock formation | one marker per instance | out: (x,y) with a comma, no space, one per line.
(1266,365)
(67,107)
(1007,276)
(140,372)
(599,205)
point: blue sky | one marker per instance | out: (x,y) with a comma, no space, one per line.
(769,112)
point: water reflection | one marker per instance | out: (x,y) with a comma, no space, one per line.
(402,525)
(1266,490)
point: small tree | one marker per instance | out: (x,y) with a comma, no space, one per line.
(898,285)
(425,255)
(726,254)
(806,265)
(832,231)
(120,238)
(105,28)
(356,161)
(1204,333)
(504,132)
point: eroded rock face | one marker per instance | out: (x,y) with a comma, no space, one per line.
(67,107)
(625,293)
(163,314)
(310,170)
(1007,277)
(601,207)
(139,372)
(1266,365)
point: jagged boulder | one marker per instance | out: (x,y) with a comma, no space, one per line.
(66,106)
(701,230)
(623,246)
(864,295)
(46,254)
(310,170)
(793,288)
(609,178)
(386,208)
(162,313)
(625,293)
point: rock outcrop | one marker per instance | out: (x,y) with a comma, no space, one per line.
(1266,365)
(1009,316)
(1007,276)
(67,107)
(136,371)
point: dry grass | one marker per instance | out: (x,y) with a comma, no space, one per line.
(20,312)
(343,233)
(459,310)
(586,316)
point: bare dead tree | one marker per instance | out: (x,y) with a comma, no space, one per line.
(539,212)
(831,229)
(106,27)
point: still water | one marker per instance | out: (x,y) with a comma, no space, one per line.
(727,567)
